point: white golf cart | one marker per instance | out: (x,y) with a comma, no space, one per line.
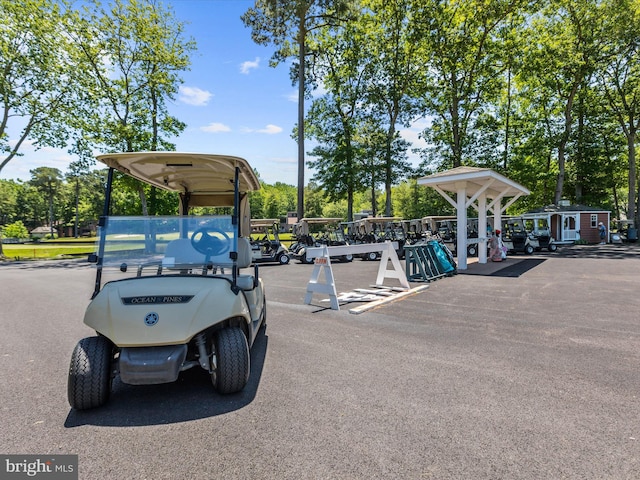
(169,292)
(333,235)
(267,248)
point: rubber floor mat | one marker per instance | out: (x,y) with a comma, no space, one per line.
(523,266)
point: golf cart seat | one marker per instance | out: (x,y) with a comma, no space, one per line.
(245,257)
(181,255)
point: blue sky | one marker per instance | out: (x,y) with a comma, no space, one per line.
(232,101)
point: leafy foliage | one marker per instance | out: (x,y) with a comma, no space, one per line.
(15,230)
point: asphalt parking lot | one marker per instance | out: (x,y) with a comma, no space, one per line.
(526,373)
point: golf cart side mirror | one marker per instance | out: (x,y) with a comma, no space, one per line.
(92,258)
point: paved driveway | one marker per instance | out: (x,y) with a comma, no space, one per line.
(479,377)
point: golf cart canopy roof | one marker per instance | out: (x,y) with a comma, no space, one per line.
(206,178)
(319,220)
(264,222)
(381,219)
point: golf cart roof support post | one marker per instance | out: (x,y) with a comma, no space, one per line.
(234,221)
(184,203)
(103,232)
(236,198)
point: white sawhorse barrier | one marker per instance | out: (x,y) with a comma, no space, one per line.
(322,263)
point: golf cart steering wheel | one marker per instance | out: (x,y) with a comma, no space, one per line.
(210,241)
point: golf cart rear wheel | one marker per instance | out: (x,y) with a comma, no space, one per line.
(552,247)
(232,360)
(372,256)
(528,249)
(347,258)
(89,382)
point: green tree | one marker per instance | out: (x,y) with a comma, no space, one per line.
(334,119)
(48,181)
(464,71)
(15,230)
(563,50)
(126,97)
(38,77)
(288,24)
(619,78)
(389,39)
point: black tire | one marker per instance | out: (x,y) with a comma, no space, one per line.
(552,247)
(528,249)
(472,251)
(372,256)
(89,382)
(347,258)
(284,259)
(232,360)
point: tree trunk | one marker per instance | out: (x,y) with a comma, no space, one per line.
(374,209)
(301,76)
(568,119)
(633,213)
(75,225)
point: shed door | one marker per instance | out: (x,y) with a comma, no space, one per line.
(569,231)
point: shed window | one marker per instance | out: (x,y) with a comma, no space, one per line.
(594,221)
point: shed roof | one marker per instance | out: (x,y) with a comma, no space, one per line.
(566,208)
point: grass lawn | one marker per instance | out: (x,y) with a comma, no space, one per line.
(71,247)
(43,250)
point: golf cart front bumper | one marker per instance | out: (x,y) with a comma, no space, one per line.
(151,365)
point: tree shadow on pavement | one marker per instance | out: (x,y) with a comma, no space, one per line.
(609,251)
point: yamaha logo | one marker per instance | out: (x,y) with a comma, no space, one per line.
(151,319)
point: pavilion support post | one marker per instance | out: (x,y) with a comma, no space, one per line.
(461,235)
(497,215)
(482,229)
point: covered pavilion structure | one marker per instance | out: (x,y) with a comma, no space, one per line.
(481,188)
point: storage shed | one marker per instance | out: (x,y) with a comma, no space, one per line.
(569,223)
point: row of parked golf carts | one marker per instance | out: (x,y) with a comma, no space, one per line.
(519,235)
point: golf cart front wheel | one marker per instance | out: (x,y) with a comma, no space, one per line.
(553,247)
(528,249)
(284,259)
(89,382)
(231,372)
(372,256)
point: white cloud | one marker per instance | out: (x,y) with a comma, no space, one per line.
(293,96)
(270,129)
(247,66)
(194,96)
(216,128)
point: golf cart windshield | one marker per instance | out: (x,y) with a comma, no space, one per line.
(135,243)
